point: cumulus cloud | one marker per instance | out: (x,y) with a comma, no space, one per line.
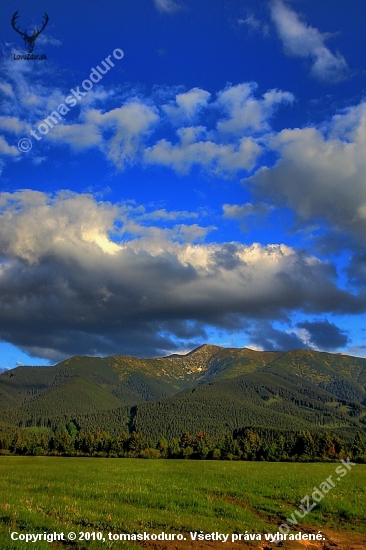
(230,139)
(245,113)
(81,276)
(227,148)
(302,40)
(128,125)
(117,130)
(194,148)
(320,173)
(6,149)
(118,133)
(12,124)
(215,133)
(187,105)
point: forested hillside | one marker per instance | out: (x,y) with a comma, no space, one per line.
(258,399)
(212,390)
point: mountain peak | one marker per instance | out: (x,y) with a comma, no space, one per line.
(208,349)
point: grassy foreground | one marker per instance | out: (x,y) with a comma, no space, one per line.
(45,494)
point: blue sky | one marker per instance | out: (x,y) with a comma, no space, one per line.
(205,184)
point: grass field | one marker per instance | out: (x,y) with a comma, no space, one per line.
(45,494)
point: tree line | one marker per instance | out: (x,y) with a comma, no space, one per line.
(245,444)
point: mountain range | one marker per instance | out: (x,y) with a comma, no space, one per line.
(212,388)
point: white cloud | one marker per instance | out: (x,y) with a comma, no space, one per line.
(302,40)
(227,148)
(8,150)
(79,136)
(162,214)
(6,88)
(321,172)
(187,105)
(46,225)
(13,125)
(124,132)
(245,113)
(166,6)
(128,125)
(47,39)
(254,24)
(131,123)
(224,159)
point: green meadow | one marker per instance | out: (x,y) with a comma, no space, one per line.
(46,494)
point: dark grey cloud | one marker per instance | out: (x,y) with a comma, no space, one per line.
(227,256)
(248,214)
(66,288)
(264,335)
(357,269)
(325,335)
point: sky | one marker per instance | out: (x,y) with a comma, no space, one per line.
(180,172)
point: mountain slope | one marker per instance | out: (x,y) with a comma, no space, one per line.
(208,388)
(342,375)
(259,399)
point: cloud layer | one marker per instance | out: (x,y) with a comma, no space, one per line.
(220,134)
(72,282)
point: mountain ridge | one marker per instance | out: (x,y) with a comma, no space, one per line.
(297,387)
